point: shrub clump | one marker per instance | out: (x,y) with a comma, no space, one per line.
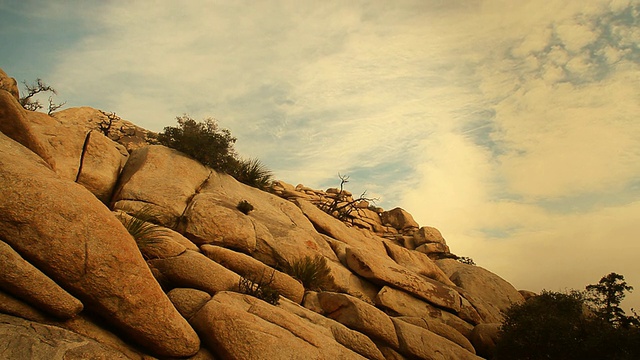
(140,224)
(260,288)
(213,146)
(312,272)
(245,207)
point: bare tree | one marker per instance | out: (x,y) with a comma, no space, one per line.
(342,205)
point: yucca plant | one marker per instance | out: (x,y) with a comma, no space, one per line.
(312,272)
(260,288)
(141,227)
(253,173)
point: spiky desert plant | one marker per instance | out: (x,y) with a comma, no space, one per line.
(253,173)
(313,272)
(141,227)
(260,288)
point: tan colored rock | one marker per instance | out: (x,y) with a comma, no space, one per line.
(69,235)
(487,292)
(194,270)
(427,234)
(250,268)
(237,326)
(344,281)
(442,329)
(384,271)
(417,262)
(23,339)
(391,354)
(399,302)
(526,294)
(399,219)
(15,124)
(100,166)
(188,301)
(150,178)
(351,339)
(337,229)
(9,84)
(423,344)
(10,305)
(24,281)
(159,246)
(208,221)
(282,232)
(358,315)
(484,338)
(433,248)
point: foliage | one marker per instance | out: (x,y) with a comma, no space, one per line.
(313,272)
(245,207)
(252,172)
(557,325)
(105,124)
(203,141)
(466,260)
(141,227)
(29,103)
(260,288)
(605,298)
(342,205)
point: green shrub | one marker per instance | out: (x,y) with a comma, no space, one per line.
(260,288)
(203,141)
(313,272)
(253,173)
(245,207)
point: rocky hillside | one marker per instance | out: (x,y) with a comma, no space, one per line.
(76,285)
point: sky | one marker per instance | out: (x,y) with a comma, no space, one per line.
(511,126)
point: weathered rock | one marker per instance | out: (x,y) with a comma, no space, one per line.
(194,270)
(250,268)
(442,329)
(484,338)
(358,315)
(335,228)
(342,280)
(526,294)
(14,124)
(69,235)
(188,301)
(421,343)
(351,339)
(100,166)
(237,326)
(11,305)
(283,233)
(427,234)
(207,221)
(149,178)
(417,262)
(487,292)
(433,248)
(23,339)
(24,281)
(398,302)
(383,270)
(157,245)
(9,84)
(399,219)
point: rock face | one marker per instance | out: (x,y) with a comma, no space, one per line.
(78,285)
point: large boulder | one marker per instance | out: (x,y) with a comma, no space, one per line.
(24,281)
(161,179)
(237,326)
(421,343)
(22,339)
(398,302)
(488,293)
(67,233)
(357,315)
(427,234)
(399,219)
(383,270)
(417,262)
(100,165)
(442,329)
(250,268)
(484,338)
(15,124)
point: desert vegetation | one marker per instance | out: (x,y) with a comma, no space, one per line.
(29,103)
(312,272)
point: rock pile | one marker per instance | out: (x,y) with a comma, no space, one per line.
(76,285)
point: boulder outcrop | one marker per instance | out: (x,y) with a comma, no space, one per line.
(77,280)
